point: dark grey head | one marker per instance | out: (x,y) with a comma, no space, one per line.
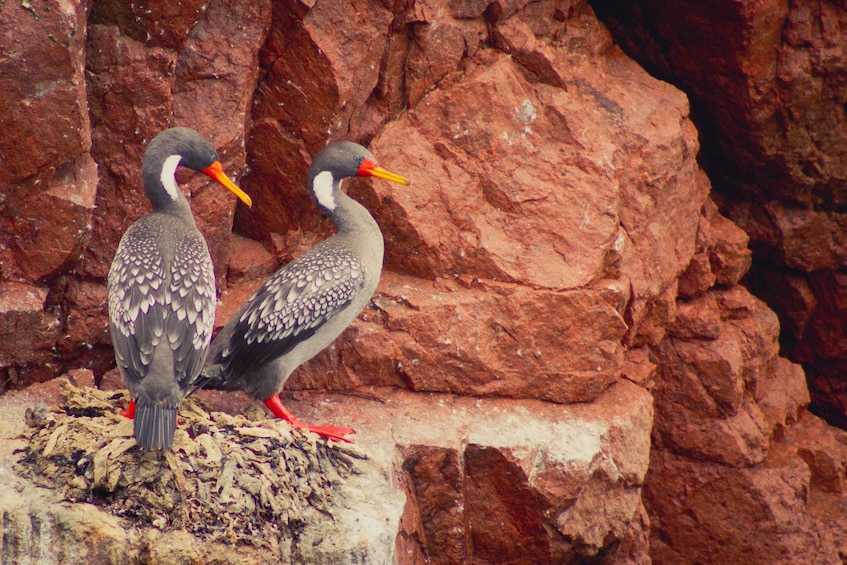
(179,147)
(338,161)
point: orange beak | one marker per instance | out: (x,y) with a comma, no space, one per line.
(216,171)
(370,169)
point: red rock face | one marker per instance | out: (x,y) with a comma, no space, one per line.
(42,77)
(47,179)
(552,204)
(27,335)
(770,94)
(50,227)
(130,92)
(731,436)
(142,88)
(461,340)
(497,480)
(320,65)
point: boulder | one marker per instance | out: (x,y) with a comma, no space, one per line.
(44,106)
(770,103)
(28,334)
(51,227)
(442,337)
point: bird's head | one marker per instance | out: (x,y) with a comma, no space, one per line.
(181,146)
(341,160)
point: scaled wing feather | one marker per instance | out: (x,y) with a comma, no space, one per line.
(136,307)
(290,307)
(149,303)
(192,304)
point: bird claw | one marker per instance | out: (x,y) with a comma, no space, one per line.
(335,433)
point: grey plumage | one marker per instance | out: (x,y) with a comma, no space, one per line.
(305,305)
(161,289)
(161,307)
(265,340)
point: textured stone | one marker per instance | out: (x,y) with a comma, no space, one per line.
(86,341)
(27,335)
(44,112)
(317,74)
(808,240)
(790,295)
(224,79)
(638,368)
(143,88)
(493,223)
(710,513)
(697,319)
(159,24)
(498,209)
(782,147)
(824,449)
(130,89)
(729,256)
(436,50)
(51,227)
(737,440)
(811,309)
(730,412)
(434,483)
(442,337)
(771,107)
(707,384)
(507,478)
(249,261)
(698,276)
(43,107)
(757,330)
(783,396)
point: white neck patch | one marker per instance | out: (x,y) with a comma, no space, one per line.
(168,176)
(322,186)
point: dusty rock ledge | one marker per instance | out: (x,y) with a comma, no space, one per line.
(230,488)
(475,476)
(502,480)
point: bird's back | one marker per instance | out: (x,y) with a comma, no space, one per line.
(295,314)
(161,309)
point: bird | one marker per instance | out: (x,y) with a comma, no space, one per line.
(307,303)
(161,289)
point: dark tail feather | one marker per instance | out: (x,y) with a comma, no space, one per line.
(211,377)
(154,426)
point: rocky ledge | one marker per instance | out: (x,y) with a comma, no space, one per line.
(557,482)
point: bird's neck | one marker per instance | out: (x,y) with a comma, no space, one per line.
(179,208)
(351,217)
(359,233)
(165,199)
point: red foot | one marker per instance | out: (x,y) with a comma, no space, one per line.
(130,410)
(335,433)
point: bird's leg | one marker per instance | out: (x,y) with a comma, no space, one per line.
(336,433)
(130,410)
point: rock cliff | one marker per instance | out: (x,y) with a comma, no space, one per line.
(579,350)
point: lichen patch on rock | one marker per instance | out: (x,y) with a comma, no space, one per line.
(238,479)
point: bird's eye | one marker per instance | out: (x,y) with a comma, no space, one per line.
(359,159)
